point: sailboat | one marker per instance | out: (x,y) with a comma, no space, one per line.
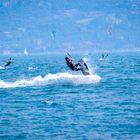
(25,51)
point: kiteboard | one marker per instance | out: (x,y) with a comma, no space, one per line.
(84,68)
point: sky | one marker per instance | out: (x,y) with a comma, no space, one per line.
(43,26)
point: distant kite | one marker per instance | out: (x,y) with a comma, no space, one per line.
(9,3)
(53,34)
(7,34)
(109,31)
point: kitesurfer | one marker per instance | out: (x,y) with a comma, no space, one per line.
(70,63)
(9,62)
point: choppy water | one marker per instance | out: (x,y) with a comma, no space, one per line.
(42,99)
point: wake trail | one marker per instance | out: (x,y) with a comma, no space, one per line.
(51,79)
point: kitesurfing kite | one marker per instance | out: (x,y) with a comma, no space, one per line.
(53,34)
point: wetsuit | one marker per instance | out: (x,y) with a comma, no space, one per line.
(71,64)
(8,63)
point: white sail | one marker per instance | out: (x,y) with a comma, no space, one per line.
(25,51)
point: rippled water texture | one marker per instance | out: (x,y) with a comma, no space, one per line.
(42,99)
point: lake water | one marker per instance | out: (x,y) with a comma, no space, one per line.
(41,99)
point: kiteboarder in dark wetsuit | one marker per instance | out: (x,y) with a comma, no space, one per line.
(9,62)
(70,63)
(81,65)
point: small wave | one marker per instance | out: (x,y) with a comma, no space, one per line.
(1,67)
(101,59)
(31,68)
(58,78)
(48,102)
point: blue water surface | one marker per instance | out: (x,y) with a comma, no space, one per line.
(41,99)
